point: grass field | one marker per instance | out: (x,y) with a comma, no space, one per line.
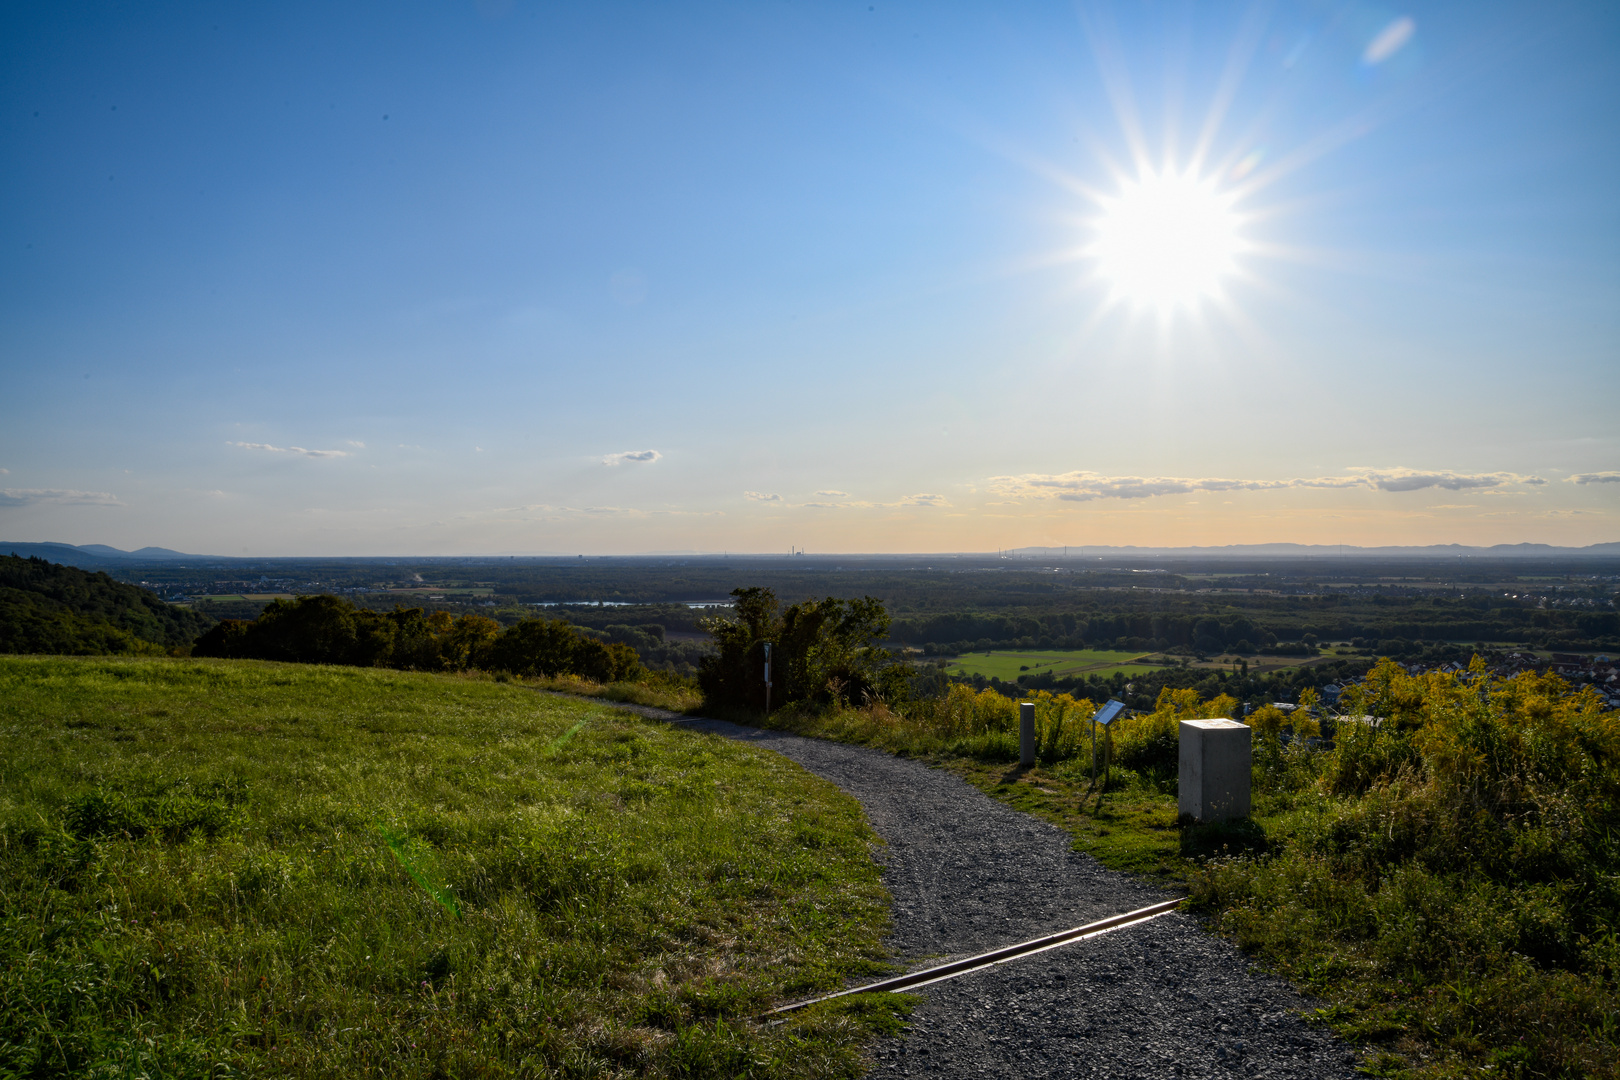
(1260,665)
(1008,665)
(213,868)
(262,598)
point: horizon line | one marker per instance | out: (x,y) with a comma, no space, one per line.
(1058,551)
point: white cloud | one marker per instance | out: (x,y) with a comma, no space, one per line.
(923,500)
(833,494)
(57,496)
(1412,480)
(759,496)
(624,457)
(5,472)
(296,450)
(355,442)
(1083,486)
(549,512)
(1595,478)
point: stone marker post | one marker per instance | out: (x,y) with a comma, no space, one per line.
(1026,733)
(1216,756)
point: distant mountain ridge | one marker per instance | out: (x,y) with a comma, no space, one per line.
(141,553)
(101,556)
(94,556)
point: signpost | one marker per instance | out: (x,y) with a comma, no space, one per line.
(1104,716)
(767,678)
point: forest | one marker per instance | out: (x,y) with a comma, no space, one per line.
(49,608)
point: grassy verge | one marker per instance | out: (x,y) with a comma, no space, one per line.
(660,691)
(217,868)
(1448,882)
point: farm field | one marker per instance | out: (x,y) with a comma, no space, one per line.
(1260,665)
(217,868)
(258,598)
(1007,665)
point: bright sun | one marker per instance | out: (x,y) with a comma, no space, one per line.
(1167,240)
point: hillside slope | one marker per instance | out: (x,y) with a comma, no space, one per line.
(49,608)
(216,867)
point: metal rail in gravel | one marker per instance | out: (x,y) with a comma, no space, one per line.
(996,956)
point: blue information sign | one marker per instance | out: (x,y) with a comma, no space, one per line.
(1109,712)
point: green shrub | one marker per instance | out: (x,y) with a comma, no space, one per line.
(1455,877)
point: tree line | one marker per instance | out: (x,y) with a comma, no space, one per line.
(952,633)
(824,651)
(330,630)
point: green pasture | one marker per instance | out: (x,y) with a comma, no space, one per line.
(1007,665)
(471,590)
(216,868)
(263,598)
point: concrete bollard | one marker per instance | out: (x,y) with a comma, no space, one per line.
(1216,756)
(1026,733)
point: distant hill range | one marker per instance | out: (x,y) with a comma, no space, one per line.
(96,556)
(102,557)
(1328,551)
(49,608)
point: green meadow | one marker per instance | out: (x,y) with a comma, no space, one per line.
(1008,665)
(257,597)
(229,868)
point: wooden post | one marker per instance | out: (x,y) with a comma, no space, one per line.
(1108,754)
(1094,753)
(1026,733)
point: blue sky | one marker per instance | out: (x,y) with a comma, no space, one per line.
(506,277)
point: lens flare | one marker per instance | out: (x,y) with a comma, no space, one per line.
(1167,240)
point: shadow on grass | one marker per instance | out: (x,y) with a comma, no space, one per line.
(1014,774)
(1222,839)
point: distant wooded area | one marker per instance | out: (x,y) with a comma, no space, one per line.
(49,608)
(421,613)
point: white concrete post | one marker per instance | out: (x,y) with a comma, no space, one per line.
(767,678)
(1026,733)
(1216,756)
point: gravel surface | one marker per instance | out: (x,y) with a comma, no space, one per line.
(968,874)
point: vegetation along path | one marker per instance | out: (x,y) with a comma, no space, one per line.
(968,874)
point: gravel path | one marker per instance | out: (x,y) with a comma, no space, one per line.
(968,874)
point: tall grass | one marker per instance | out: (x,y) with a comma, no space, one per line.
(983,725)
(218,868)
(960,723)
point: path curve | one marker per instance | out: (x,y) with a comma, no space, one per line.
(968,874)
